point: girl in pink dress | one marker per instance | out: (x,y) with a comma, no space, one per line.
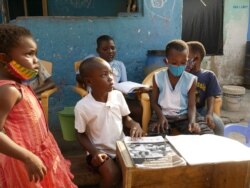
(29,155)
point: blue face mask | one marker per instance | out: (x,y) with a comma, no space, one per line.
(176,70)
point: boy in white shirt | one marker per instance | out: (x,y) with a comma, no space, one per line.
(99,119)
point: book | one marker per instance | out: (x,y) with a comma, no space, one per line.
(130,87)
(209,149)
(152,152)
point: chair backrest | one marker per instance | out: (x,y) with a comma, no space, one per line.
(48,65)
(80,89)
(148,80)
(45,95)
(77,65)
(238,128)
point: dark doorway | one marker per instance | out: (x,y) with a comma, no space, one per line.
(16,8)
(203,21)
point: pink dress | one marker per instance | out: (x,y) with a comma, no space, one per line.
(26,126)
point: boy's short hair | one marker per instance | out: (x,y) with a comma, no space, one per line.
(10,36)
(197,47)
(88,65)
(178,45)
(102,38)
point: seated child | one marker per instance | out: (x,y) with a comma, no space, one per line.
(173,95)
(207,87)
(99,119)
(106,50)
(29,154)
(42,81)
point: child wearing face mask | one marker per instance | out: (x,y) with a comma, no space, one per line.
(29,155)
(42,81)
(207,87)
(173,95)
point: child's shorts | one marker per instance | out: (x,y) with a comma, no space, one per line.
(180,123)
(92,167)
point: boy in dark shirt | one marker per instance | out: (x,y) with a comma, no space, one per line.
(207,87)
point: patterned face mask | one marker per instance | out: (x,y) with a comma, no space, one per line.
(20,71)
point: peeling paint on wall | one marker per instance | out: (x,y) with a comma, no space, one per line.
(229,67)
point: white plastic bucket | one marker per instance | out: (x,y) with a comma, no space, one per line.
(232,97)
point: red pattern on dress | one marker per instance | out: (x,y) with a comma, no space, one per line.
(26,126)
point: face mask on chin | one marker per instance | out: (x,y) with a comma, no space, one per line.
(176,70)
(20,71)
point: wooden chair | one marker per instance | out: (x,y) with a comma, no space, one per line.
(145,101)
(78,88)
(45,95)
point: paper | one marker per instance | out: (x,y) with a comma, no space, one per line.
(128,87)
(152,152)
(202,149)
(148,139)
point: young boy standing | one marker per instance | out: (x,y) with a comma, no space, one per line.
(207,87)
(99,119)
(173,96)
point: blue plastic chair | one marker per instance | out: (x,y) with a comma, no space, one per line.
(238,128)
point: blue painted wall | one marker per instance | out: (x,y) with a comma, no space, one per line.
(63,40)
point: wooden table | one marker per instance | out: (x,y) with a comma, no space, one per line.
(221,175)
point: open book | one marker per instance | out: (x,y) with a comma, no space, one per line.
(202,149)
(129,87)
(152,152)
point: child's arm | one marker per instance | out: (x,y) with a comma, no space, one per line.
(34,165)
(209,115)
(9,96)
(162,124)
(193,126)
(98,158)
(135,128)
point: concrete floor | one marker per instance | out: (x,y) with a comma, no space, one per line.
(242,116)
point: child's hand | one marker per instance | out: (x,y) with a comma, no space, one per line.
(99,158)
(136,130)
(161,126)
(194,128)
(35,168)
(209,121)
